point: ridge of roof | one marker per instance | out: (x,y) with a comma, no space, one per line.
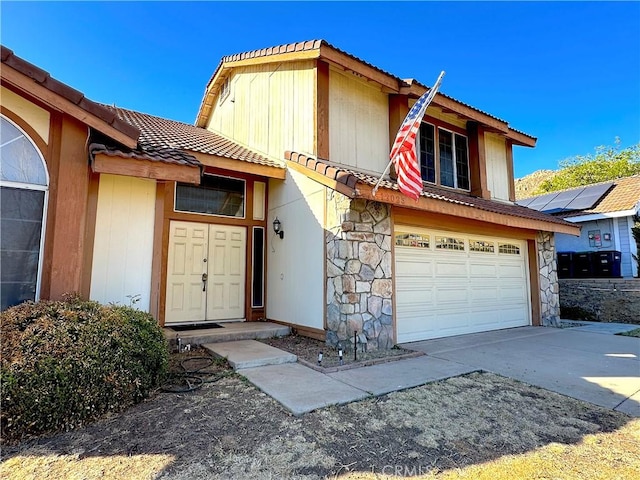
(351,178)
(43,78)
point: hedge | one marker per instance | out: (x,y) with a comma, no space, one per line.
(65,363)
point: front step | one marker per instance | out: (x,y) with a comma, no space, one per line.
(228,332)
(250,353)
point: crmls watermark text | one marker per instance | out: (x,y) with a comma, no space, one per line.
(406,470)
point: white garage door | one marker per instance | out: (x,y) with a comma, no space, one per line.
(456,283)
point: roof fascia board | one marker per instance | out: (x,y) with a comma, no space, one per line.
(266,59)
(24,84)
(115,165)
(463,211)
(390,83)
(322,179)
(603,216)
(240,166)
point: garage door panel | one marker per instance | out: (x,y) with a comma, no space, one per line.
(511,271)
(512,293)
(451,268)
(485,294)
(451,295)
(443,292)
(483,270)
(418,268)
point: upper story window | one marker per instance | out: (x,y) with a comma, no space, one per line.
(225,90)
(215,196)
(448,165)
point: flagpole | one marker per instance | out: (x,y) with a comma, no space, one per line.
(433,90)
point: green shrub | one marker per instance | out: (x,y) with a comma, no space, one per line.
(64,363)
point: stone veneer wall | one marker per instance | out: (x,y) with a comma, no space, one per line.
(601,299)
(359,282)
(549,290)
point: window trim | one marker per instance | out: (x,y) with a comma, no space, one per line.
(45,207)
(437,126)
(217,215)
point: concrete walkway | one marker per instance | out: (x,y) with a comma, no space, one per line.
(601,327)
(301,389)
(600,369)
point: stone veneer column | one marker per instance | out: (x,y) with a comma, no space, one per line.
(359,282)
(549,290)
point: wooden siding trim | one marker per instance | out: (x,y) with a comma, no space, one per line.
(90,233)
(322,110)
(477,161)
(102,163)
(52,157)
(440,221)
(521,139)
(322,179)
(357,66)
(156,261)
(534,282)
(266,59)
(239,166)
(512,186)
(463,211)
(25,84)
(302,330)
(67,232)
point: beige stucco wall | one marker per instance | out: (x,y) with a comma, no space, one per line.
(35,116)
(295,264)
(123,245)
(270,108)
(497,171)
(358,123)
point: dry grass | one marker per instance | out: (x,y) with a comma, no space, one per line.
(474,426)
(603,456)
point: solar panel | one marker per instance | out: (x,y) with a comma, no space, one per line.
(561,201)
(540,202)
(589,197)
(525,201)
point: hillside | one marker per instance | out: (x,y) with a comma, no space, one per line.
(527,185)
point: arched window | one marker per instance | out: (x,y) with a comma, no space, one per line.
(24,185)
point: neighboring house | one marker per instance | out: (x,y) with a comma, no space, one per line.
(182,216)
(605,212)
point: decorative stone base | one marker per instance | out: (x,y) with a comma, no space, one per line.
(359,285)
(549,299)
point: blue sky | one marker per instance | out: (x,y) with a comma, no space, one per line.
(567,73)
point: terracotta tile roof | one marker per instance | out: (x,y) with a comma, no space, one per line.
(310,45)
(44,79)
(171,141)
(351,178)
(623,196)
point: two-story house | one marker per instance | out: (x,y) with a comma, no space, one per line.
(184,217)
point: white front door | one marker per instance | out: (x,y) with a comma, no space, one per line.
(205,272)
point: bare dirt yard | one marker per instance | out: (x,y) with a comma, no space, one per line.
(475,426)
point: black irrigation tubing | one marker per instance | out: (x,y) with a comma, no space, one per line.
(191,379)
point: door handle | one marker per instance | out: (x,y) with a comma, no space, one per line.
(204,281)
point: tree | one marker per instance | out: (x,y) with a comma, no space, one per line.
(608,163)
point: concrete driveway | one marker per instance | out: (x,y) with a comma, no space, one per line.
(594,367)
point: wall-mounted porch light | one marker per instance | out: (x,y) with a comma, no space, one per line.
(277,228)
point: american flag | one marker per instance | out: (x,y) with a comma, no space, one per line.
(403,154)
